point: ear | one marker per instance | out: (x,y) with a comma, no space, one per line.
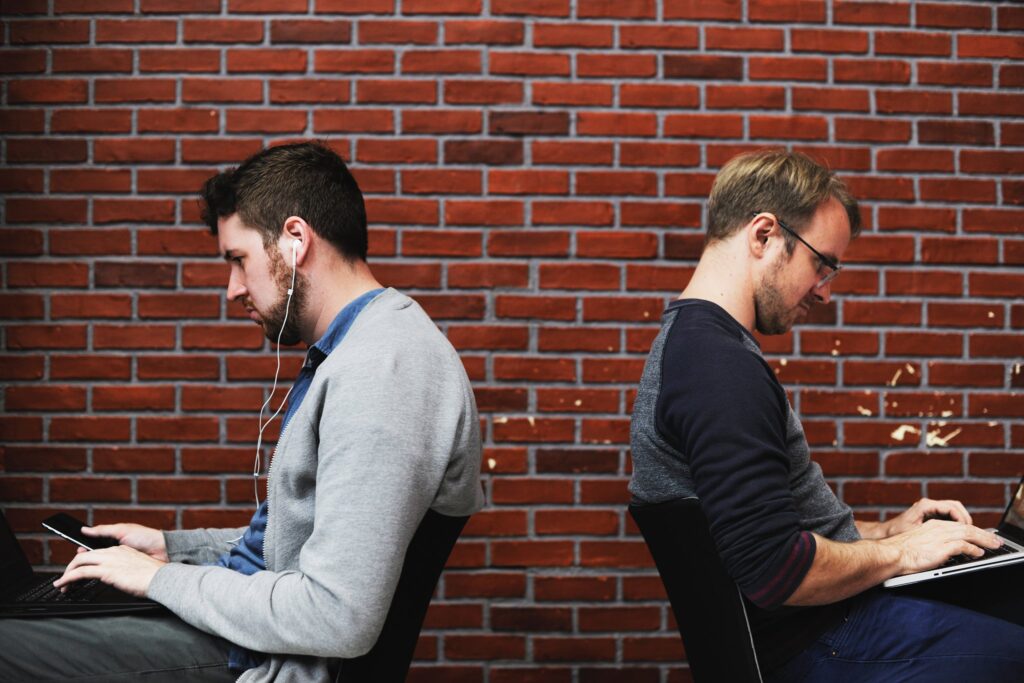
(757,232)
(296,230)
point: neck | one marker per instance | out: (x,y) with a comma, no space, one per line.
(332,289)
(722,278)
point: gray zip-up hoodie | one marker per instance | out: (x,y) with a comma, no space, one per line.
(387,430)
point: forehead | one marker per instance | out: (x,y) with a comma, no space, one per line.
(234,235)
(829,229)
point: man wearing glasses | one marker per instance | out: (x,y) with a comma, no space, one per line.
(712,422)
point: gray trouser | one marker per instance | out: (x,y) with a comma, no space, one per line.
(113,648)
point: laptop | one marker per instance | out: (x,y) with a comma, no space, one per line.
(1010,530)
(25,593)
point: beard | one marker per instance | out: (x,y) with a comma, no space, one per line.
(274,321)
(771,314)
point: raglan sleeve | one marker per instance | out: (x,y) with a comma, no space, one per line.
(723,407)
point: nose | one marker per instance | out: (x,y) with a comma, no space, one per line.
(824,293)
(236,287)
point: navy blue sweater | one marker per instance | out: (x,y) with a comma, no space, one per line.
(711,421)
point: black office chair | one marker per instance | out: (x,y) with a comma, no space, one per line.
(391,656)
(708,607)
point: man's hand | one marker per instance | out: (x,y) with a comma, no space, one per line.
(122,567)
(916,514)
(931,543)
(142,538)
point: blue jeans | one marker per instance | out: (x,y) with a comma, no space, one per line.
(892,637)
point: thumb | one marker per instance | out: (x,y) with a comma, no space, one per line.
(113,530)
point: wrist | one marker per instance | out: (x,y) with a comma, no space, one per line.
(892,555)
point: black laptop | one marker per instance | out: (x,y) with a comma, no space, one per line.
(25,593)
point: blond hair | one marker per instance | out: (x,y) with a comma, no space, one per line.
(789,184)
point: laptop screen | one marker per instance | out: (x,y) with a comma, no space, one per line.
(1012,525)
(14,566)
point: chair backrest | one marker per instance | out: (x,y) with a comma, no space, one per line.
(707,604)
(389,659)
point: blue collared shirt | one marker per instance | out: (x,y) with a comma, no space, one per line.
(247,556)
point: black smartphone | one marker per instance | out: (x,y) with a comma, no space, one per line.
(70,528)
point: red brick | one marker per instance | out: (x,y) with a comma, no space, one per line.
(726,10)
(105,60)
(919,43)
(700,67)
(572,153)
(954,74)
(396,92)
(353,121)
(171,60)
(578,339)
(90,306)
(402,211)
(989,47)
(528,243)
(743,39)
(915,101)
(438,121)
(546,8)
(92,366)
(50,91)
(550,308)
(659,95)
(305,31)
(871,71)
(529,64)
(619,125)
(989,104)
(967,132)
(572,94)
(617,66)
(48,31)
(441,62)
(222,31)
(483,32)
(529,123)
(493,212)
(825,40)
(786,68)
(996,345)
(119,150)
(561,35)
(965,374)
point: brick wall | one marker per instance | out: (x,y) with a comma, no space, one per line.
(535,173)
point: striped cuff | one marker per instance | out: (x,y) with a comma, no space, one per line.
(780,584)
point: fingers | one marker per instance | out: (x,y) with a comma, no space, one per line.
(87,564)
(114,530)
(954,509)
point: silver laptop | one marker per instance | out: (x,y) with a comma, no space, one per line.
(1010,530)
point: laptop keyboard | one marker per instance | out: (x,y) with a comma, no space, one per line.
(961,559)
(82,591)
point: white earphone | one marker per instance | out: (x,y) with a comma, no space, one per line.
(256,468)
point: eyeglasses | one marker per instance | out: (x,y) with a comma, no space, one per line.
(830,263)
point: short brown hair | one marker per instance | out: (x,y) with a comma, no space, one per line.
(789,184)
(305,179)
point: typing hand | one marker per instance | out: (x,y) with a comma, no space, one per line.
(123,567)
(933,542)
(925,509)
(142,538)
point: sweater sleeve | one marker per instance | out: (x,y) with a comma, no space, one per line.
(199,546)
(722,407)
(387,431)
